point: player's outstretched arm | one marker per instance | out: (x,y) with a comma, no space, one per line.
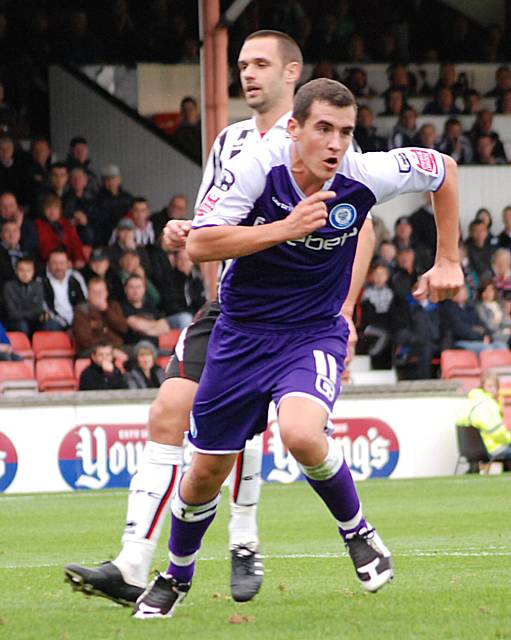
(444,279)
(222,242)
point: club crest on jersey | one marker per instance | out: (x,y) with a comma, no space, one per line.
(343,215)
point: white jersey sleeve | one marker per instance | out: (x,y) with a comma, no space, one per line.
(232,197)
(405,170)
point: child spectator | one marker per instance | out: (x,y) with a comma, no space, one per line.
(102,374)
(25,307)
(145,373)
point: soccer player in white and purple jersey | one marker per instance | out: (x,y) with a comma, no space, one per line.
(290,213)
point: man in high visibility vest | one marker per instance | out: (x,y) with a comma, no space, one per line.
(483,411)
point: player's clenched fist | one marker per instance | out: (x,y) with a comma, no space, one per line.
(175,233)
(310,214)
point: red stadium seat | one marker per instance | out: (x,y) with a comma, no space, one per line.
(21,344)
(498,360)
(459,362)
(168,341)
(168,122)
(80,365)
(162,361)
(56,374)
(52,344)
(17,377)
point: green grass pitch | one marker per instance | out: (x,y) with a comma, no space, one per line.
(451,540)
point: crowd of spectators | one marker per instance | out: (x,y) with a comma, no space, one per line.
(80,253)
(396,329)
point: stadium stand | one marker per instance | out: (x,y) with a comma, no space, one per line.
(52,344)
(17,377)
(458,364)
(21,344)
(55,374)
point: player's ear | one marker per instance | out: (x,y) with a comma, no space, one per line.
(293,127)
(293,71)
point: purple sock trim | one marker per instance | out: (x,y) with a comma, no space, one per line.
(186,539)
(338,493)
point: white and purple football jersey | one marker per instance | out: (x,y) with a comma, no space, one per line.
(305,281)
(231,141)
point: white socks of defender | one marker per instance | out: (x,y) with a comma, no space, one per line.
(148,507)
(245,488)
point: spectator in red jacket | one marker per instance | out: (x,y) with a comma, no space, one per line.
(56,232)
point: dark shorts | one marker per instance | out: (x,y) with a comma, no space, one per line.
(191,349)
(247,369)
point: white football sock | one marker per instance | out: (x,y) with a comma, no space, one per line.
(148,507)
(245,487)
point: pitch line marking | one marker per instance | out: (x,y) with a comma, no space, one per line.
(300,556)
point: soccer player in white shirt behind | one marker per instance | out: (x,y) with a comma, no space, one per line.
(270,65)
(289,213)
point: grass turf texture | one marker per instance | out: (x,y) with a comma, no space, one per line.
(451,540)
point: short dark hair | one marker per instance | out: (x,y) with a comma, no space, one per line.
(138,200)
(27,259)
(96,280)
(321,90)
(58,165)
(188,99)
(289,50)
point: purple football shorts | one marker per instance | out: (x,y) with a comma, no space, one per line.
(248,368)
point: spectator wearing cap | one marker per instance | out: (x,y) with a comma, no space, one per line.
(112,204)
(145,373)
(79,156)
(188,134)
(78,205)
(98,319)
(10,211)
(99,266)
(102,374)
(123,240)
(13,174)
(55,232)
(177,209)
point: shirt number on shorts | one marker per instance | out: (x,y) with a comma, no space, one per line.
(326,373)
